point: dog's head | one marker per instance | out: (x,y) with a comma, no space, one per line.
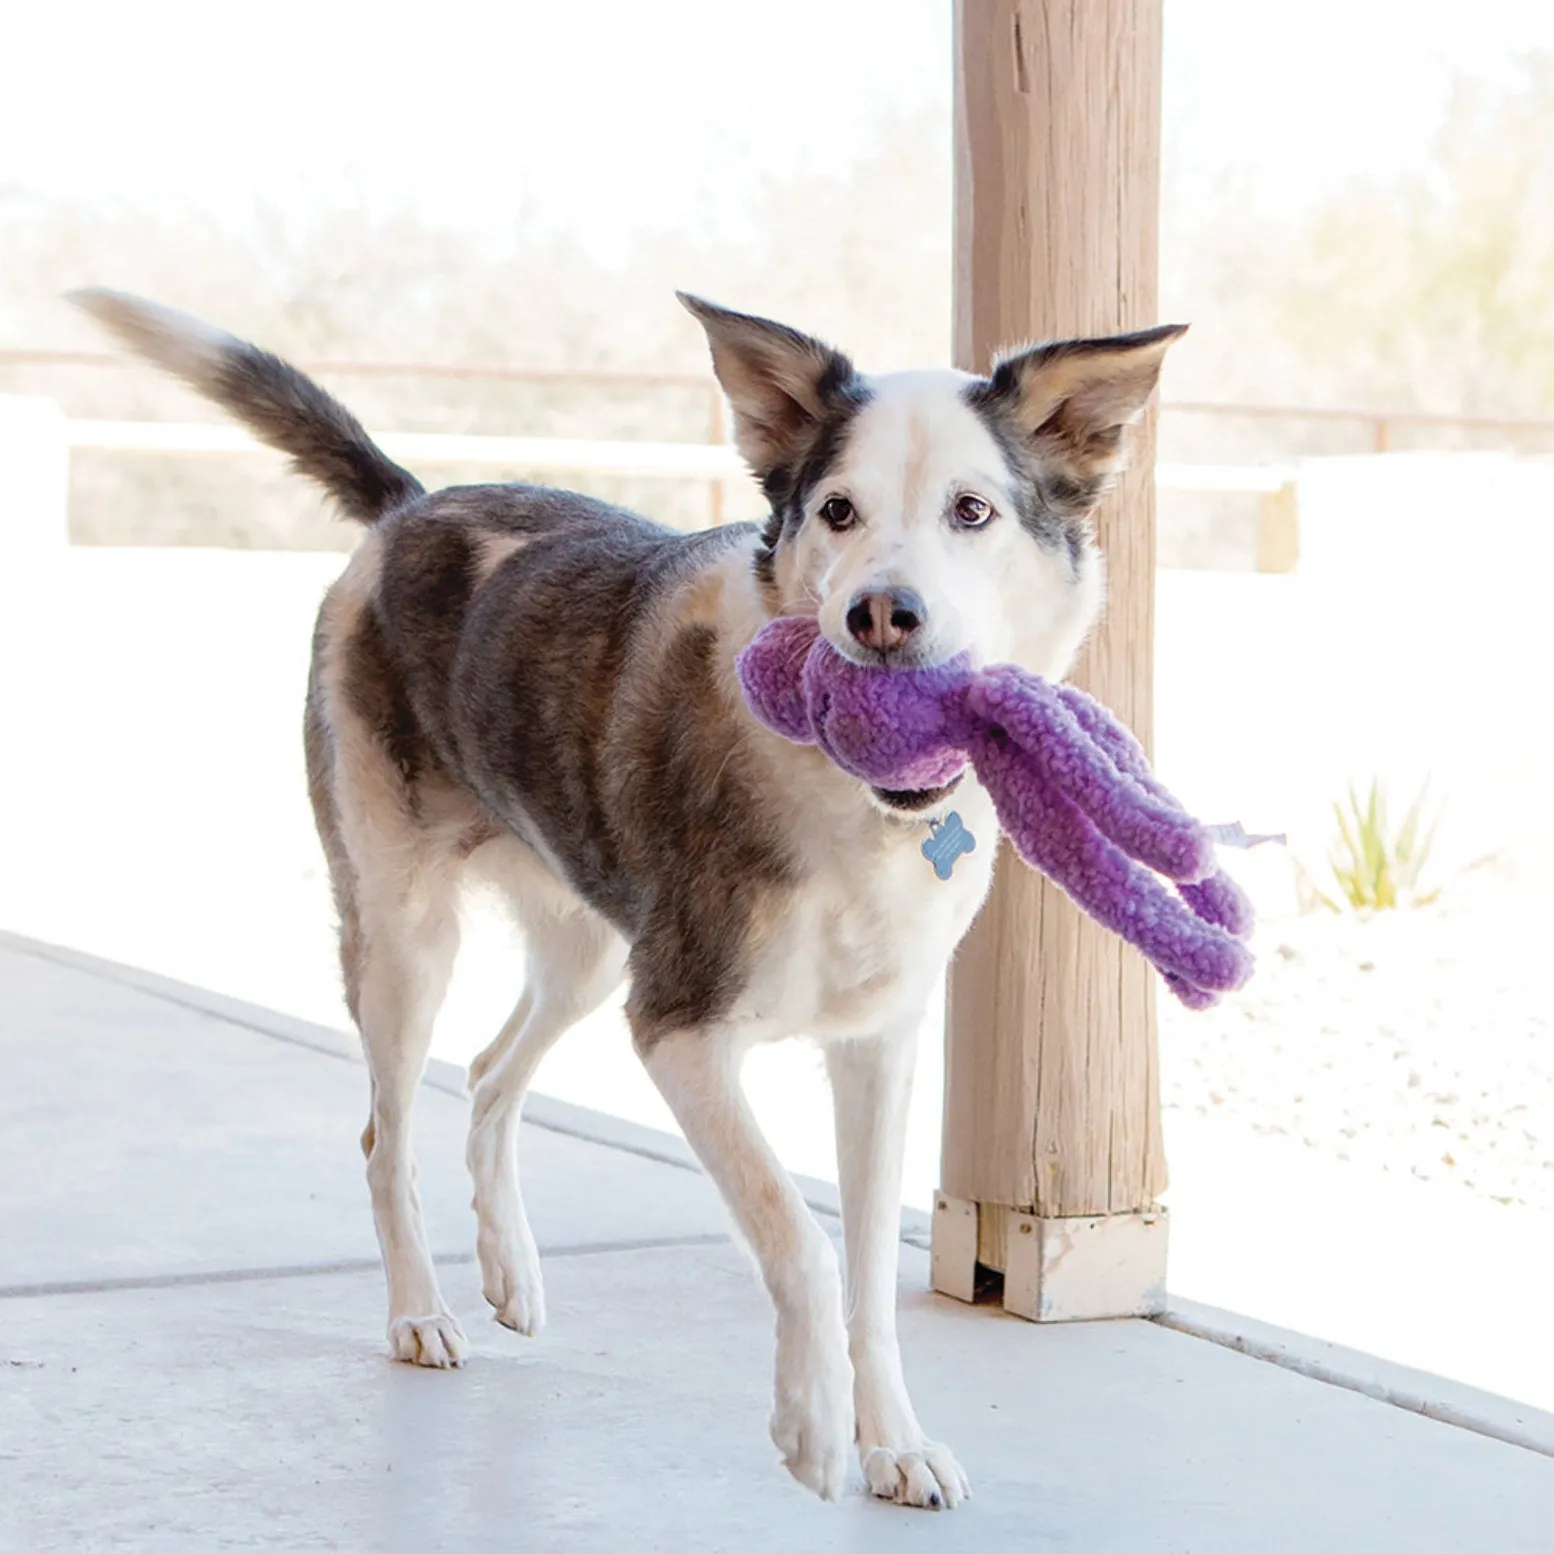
(920,515)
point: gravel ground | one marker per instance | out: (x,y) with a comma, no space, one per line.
(1418,1041)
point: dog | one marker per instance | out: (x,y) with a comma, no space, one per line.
(536,689)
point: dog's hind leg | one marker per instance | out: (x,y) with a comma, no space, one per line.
(407,949)
(397,957)
(575,960)
(395,879)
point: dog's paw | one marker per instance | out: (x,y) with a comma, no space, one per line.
(812,1420)
(815,1445)
(437,1341)
(516,1293)
(926,1474)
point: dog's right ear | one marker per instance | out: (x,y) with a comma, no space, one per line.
(1070,404)
(782,385)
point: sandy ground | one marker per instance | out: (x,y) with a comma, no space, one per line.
(1417,1043)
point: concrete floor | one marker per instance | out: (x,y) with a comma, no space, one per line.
(191,1352)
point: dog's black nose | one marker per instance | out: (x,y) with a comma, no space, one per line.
(886,619)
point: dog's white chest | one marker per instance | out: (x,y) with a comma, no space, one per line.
(860,945)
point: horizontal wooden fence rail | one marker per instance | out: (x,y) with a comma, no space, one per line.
(671,460)
(717,462)
(1382,427)
(473,372)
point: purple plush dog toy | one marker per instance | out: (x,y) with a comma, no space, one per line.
(1070,785)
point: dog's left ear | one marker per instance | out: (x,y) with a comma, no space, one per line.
(1072,402)
(781,384)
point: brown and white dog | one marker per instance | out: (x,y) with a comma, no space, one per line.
(532,687)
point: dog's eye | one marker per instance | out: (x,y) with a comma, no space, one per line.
(971,512)
(838,513)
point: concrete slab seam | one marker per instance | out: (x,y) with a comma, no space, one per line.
(346,1265)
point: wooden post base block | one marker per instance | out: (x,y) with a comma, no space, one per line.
(953,1269)
(1080,1269)
(1075,1269)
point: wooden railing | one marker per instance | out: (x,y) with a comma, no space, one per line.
(1382,425)
(609,378)
(715,462)
(667,460)
(1382,429)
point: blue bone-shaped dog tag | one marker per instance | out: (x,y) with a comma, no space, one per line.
(950,840)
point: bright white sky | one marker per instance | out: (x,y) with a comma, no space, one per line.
(597,116)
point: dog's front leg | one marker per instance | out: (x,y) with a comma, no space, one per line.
(812,1415)
(871,1083)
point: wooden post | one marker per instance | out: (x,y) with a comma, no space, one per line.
(1278,529)
(1052,1145)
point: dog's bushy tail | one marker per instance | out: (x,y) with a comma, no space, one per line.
(281,406)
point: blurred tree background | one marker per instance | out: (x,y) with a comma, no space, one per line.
(1430,291)
(1433,291)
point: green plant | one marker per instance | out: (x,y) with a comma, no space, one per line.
(1375,867)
